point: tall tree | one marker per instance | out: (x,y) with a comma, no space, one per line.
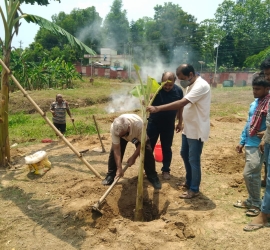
(85,24)
(247,26)
(175,33)
(116,27)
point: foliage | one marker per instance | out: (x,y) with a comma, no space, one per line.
(254,61)
(55,29)
(247,30)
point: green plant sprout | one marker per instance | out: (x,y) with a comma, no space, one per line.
(144,93)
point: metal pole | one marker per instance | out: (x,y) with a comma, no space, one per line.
(216,65)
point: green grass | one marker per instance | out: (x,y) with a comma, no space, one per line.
(88,99)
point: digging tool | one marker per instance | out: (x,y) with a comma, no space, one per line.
(83,151)
(96,206)
(103,149)
(75,127)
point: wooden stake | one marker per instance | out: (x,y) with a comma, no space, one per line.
(103,149)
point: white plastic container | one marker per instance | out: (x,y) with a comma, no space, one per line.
(38,162)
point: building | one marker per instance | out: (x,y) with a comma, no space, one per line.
(108,58)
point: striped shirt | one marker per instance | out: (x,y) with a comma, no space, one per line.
(59,112)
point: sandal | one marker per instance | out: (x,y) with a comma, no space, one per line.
(241,204)
(189,195)
(252,227)
(252,212)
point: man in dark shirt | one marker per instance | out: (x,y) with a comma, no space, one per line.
(162,124)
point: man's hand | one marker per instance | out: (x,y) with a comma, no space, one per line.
(119,173)
(179,127)
(131,161)
(261,147)
(239,149)
(152,109)
(260,134)
(72,119)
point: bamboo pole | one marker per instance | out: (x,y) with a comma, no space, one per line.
(43,114)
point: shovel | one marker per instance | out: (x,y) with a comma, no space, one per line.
(96,206)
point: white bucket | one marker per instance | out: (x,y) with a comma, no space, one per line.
(38,162)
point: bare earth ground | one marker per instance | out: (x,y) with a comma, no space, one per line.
(53,211)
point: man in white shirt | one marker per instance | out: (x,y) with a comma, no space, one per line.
(128,128)
(196,118)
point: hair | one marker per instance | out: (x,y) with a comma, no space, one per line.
(171,76)
(259,80)
(185,69)
(120,124)
(57,96)
(265,64)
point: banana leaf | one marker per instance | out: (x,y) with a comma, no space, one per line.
(57,30)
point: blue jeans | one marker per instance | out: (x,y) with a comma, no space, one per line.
(164,130)
(252,175)
(191,151)
(265,208)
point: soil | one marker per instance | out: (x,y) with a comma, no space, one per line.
(53,211)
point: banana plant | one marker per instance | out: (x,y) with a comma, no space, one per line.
(146,93)
(11,23)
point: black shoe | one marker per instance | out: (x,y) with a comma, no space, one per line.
(155,182)
(108,180)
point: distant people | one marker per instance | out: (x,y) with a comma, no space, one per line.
(128,128)
(59,108)
(196,119)
(250,139)
(262,219)
(162,124)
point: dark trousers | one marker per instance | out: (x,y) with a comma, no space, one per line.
(149,160)
(164,130)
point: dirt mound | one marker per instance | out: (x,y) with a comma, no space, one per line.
(225,160)
(230,119)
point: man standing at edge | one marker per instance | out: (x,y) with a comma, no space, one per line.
(262,219)
(59,108)
(196,119)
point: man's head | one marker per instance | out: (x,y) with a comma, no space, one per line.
(121,126)
(59,98)
(170,78)
(186,74)
(260,86)
(265,66)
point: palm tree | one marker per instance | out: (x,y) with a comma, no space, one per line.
(11,23)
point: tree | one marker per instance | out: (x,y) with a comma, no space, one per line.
(85,24)
(116,27)
(11,27)
(246,26)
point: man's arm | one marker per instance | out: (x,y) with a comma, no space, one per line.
(132,159)
(170,106)
(179,126)
(69,113)
(117,158)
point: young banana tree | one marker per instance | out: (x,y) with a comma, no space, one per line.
(11,22)
(144,93)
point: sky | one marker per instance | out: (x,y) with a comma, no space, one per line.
(201,9)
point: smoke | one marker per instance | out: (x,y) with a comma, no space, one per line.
(92,31)
(123,101)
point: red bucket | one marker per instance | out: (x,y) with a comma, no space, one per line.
(158,152)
